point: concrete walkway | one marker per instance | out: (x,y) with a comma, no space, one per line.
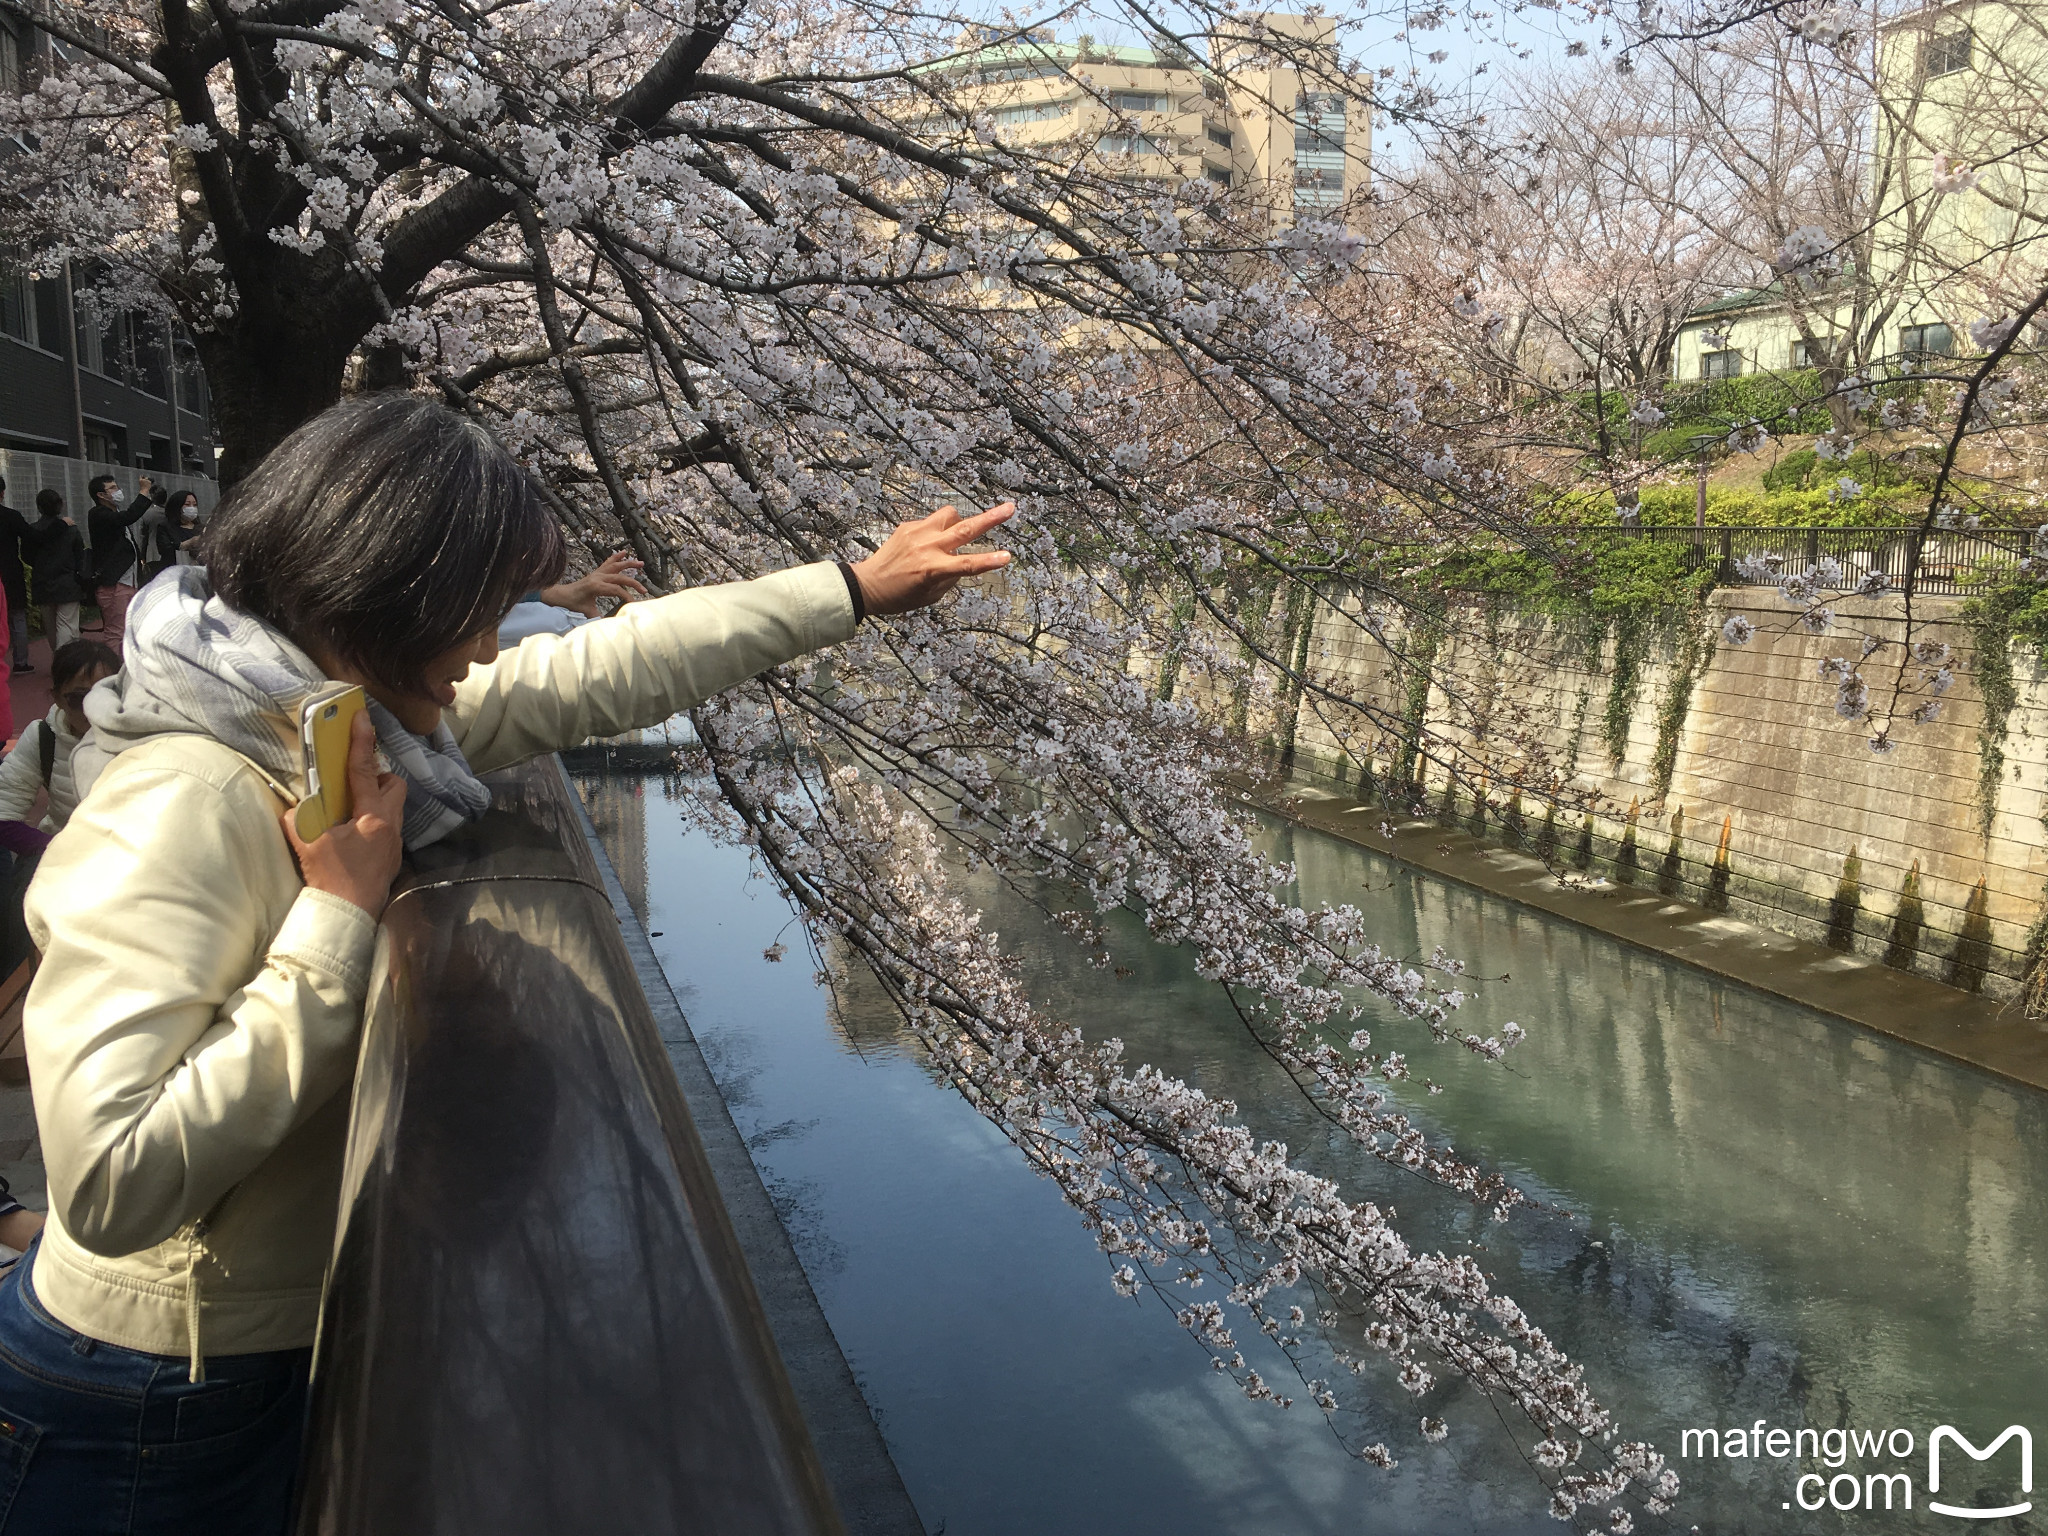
(1962,1026)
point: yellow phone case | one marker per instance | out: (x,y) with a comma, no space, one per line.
(325,720)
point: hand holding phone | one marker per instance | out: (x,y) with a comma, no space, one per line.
(357,859)
(326,720)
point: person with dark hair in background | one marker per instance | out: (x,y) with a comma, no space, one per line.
(192,1029)
(148,535)
(113,551)
(56,567)
(181,527)
(41,760)
(40,764)
(13,529)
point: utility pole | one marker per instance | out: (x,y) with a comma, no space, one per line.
(171,371)
(71,352)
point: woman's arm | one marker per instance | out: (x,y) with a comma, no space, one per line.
(654,659)
(172,1042)
(651,660)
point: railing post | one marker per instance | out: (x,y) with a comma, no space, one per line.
(1812,548)
(1726,571)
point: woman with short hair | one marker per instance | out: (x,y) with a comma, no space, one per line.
(192,1031)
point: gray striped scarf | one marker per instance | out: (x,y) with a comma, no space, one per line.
(193,665)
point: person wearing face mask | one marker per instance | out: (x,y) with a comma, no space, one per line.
(41,759)
(192,1028)
(181,528)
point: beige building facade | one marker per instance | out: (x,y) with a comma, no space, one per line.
(1281,127)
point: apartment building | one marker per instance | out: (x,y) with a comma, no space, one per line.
(119,389)
(1298,138)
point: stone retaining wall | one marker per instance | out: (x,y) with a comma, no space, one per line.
(1720,775)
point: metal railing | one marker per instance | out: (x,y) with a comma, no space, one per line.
(26,473)
(538,1317)
(1950,562)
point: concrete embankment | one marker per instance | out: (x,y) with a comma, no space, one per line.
(1719,776)
(1960,1025)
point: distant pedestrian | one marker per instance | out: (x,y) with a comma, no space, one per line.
(13,529)
(113,551)
(148,536)
(57,569)
(181,528)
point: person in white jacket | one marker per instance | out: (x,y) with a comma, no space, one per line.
(73,672)
(191,1032)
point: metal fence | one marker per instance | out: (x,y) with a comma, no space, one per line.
(28,473)
(1943,562)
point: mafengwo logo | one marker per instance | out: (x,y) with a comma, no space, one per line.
(1949,1435)
(1845,1490)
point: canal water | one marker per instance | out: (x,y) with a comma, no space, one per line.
(1751,1213)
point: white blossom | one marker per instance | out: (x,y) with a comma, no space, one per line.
(1945,175)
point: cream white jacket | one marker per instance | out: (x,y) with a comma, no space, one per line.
(21,774)
(193,1026)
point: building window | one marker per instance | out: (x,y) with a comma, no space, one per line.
(1039,112)
(11,53)
(105,443)
(1918,341)
(1809,354)
(1725,364)
(994,74)
(1220,137)
(1948,52)
(1138,101)
(1133,144)
(92,350)
(18,307)
(1319,150)
(1217,174)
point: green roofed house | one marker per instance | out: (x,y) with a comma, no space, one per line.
(1959,182)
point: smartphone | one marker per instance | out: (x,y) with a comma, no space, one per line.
(325,722)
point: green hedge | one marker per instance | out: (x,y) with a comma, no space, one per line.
(1609,578)
(1783,402)
(1673,506)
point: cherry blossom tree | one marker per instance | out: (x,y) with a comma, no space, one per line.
(746,284)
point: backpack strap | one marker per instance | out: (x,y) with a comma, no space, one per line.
(46,751)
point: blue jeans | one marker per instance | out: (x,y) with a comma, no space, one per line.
(17,633)
(101,1441)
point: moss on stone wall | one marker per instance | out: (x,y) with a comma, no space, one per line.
(1972,956)
(1848,902)
(1624,682)
(1423,643)
(1902,948)
(1671,874)
(1716,897)
(1625,862)
(1695,655)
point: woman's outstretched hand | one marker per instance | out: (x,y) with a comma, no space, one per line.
(618,577)
(921,562)
(358,859)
